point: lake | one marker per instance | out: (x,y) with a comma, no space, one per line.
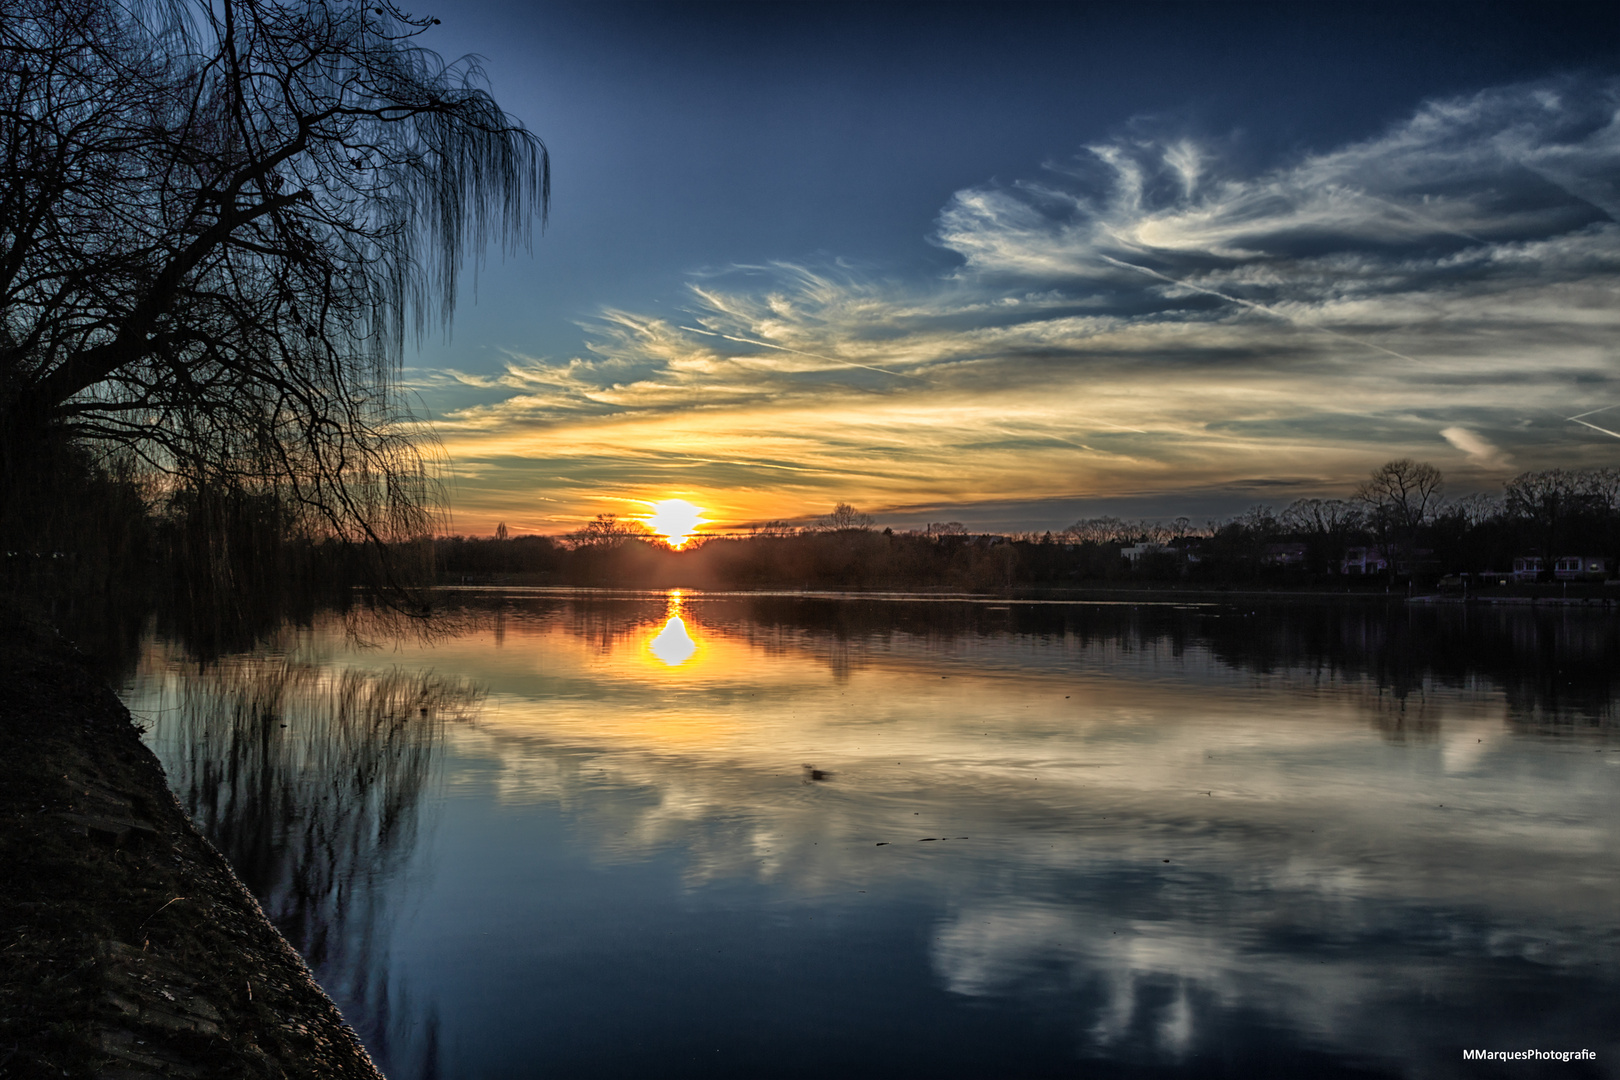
(664,834)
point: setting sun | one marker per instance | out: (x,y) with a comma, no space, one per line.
(675,520)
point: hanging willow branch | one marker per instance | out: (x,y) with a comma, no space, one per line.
(221,221)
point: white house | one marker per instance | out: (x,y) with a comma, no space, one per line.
(1527,567)
(1581,567)
(1364,560)
(1135,552)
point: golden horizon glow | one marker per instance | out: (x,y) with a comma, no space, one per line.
(1051,369)
(676,520)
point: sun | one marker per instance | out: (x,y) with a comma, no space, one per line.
(675,520)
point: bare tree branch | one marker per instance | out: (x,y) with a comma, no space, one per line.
(220,222)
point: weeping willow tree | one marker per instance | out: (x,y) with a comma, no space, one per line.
(221,221)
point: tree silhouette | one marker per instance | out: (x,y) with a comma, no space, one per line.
(219,222)
(844,518)
(609,531)
(1400,496)
(1328,525)
(1552,500)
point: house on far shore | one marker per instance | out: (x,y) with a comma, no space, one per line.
(1285,554)
(1581,568)
(1191,550)
(1363,560)
(1135,552)
(1527,567)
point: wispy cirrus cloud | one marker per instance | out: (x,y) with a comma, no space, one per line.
(1142,319)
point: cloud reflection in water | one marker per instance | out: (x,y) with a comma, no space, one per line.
(1369,836)
(1173,837)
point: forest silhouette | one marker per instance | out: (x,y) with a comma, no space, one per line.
(1415,537)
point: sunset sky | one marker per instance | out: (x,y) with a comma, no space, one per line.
(1012,265)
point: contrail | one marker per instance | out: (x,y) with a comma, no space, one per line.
(1017,434)
(747,464)
(1322,329)
(1259,307)
(1105,423)
(1594,427)
(800,352)
(1434,223)
(1593,412)
(1567,186)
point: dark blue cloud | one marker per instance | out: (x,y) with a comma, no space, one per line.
(690,135)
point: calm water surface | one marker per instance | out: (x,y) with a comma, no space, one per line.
(664,835)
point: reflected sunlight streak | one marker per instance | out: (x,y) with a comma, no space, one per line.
(673,644)
(1159,832)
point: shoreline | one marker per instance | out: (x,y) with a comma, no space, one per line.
(1608,599)
(132,950)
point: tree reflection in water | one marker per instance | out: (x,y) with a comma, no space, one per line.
(1312,904)
(310,780)
(1556,666)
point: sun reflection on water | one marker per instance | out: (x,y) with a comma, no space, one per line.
(1092,822)
(673,644)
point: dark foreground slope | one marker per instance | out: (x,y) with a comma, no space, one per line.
(128,948)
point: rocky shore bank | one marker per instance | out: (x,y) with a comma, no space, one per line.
(128,948)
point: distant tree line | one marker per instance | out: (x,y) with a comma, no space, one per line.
(1397,523)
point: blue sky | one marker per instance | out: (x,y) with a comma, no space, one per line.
(1017,264)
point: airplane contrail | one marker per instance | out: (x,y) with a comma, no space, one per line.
(746,463)
(1322,329)
(1434,223)
(801,352)
(1259,307)
(1116,427)
(1594,427)
(1593,412)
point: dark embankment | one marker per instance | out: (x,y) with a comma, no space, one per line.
(128,948)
